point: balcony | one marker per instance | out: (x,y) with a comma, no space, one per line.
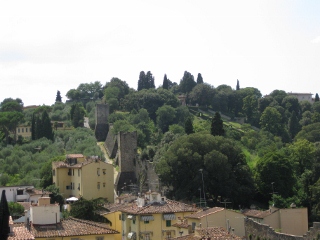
(20,198)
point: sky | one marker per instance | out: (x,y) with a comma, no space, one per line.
(46,46)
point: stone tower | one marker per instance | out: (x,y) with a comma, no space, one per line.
(101,129)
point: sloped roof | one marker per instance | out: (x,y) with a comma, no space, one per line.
(71,227)
(203,213)
(63,164)
(77,155)
(256,213)
(169,206)
(20,232)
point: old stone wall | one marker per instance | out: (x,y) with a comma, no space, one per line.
(111,144)
(255,231)
(127,150)
(102,114)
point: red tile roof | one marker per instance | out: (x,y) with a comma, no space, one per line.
(169,206)
(71,227)
(256,213)
(20,232)
(62,164)
(75,156)
(203,213)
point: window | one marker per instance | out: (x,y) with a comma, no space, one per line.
(26,129)
(53,172)
(20,192)
(104,171)
(22,129)
(134,221)
(104,184)
(146,222)
(168,223)
(79,186)
(98,171)
(18,130)
(98,185)
(168,235)
(147,236)
(99,238)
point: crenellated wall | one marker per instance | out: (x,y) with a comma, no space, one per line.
(102,127)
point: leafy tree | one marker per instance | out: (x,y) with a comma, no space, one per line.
(9,122)
(266,102)
(88,209)
(165,83)
(15,209)
(4,217)
(11,105)
(55,195)
(73,94)
(119,89)
(310,132)
(238,85)
(250,104)
(291,104)
(58,97)
(316,99)
(202,94)
(188,127)
(316,107)
(271,121)
(293,125)
(302,154)
(165,117)
(276,168)
(187,82)
(278,95)
(305,106)
(306,118)
(223,165)
(177,129)
(217,125)
(77,113)
(199,79)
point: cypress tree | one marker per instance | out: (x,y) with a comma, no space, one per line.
(33,127)
(238,85)
(316,99)
(293,125)
(199,79)
(165,84)
(188,127)
(217,125)
(46,126)
(4,217)
(142,81)
(150,80)
(39,129)
(58,97)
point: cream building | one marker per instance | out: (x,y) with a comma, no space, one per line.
(89,178)
(228,219)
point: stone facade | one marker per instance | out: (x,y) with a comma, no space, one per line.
(102,127)
(255,230)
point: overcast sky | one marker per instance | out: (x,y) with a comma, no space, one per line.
(47,46)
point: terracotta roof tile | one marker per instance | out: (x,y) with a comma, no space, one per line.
(71,227)
(256,213)
(203,213)
(62,164)
(169,206)
(20,232)
(75,156)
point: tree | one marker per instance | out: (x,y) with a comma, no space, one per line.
(188,127)
(310,132)
(9,122)
(4,217)
(270,121)
(145,81)
(165,83)
(166,116)
(316,98)
(11,105)
(119,89)
(77,116)
(275,167)
(278,95)
(202,94)
(46,126)
(58,97)
(15,209)
(238,85)
(217,125)
(33,127)
(199,79)
(187,82)
(291,104)
(293,125)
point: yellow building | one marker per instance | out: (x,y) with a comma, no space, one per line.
(230,220)
(89,178)
(24,131)
(153,217)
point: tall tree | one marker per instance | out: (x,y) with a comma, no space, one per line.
(270,121)
(33,127)
(188,127)
(145,81)
(187,82)
(4,217)
(46,126)
(316,99)
(238,85)
(199,79)
(58,97)
(165,83)
(78,115)
(217,125)
(293,125)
